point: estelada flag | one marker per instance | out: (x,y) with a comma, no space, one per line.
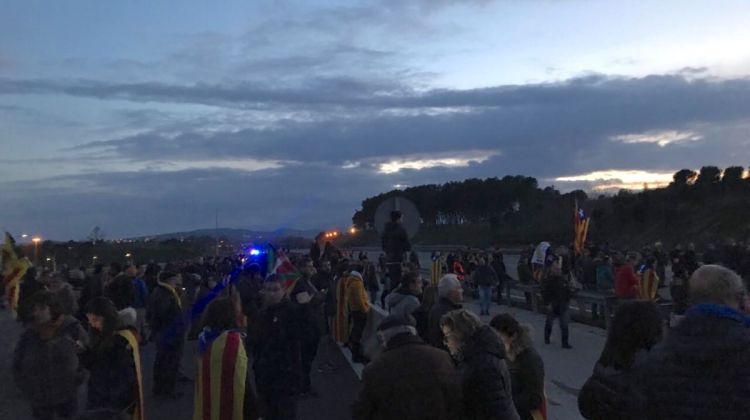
(13,271)
(581,227)
(130,337)
(221,382)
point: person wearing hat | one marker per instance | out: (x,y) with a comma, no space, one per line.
(450,295)
(410,379)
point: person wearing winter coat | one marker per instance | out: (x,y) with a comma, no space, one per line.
(525,365)
(45,361)
(556,294)
(359,307)
(610,392)
(275,346)
(309,303)
(409,380)
(406,299)
(395,243)
(626,282)
(450,296)
(702,368)
(113,361)
(485,379)
(486,279)
(165,317)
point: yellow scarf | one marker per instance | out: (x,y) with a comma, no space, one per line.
(138,413)
(174,293)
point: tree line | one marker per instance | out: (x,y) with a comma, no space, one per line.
(697,206)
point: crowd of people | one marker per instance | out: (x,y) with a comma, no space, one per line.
(257,334)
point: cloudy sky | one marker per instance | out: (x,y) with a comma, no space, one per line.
(147,116)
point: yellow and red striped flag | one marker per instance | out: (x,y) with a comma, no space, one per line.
(222,373)
(130,337)
(14,269)
(581,227)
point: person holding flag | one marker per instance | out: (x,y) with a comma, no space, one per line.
(14,269)
(223,389)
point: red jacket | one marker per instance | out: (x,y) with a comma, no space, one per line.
(626,283)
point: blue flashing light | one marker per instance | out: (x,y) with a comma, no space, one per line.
(254,252)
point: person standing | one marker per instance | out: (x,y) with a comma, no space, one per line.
(450,296)
(223,370)
(405,300)
(485,380)
(395,243)
(113,360)
(45,361)
(164,315)
(309,301)
(525,365)
(486,279)
(702,368)
(556,294)
(626,282)
(359,307)
(608,393)
(275,345)
(409,380)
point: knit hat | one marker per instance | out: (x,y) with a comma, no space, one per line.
(447,284)
(392,321)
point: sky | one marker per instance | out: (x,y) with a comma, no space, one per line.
(147,117)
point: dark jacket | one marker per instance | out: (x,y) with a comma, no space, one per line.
(45,364)
(164,316)
(323,280)
(484,275)
(610,394)
(435,333)
(485,380)
(395,242)
(700,371)
(112,381)
(556,291)
(410,380)
(275,345)
(527,379)
(311,316)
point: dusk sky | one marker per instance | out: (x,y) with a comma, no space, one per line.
(145,117)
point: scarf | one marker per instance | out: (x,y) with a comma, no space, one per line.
(719,311)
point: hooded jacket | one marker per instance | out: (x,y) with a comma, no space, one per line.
(409,380)
(402,302)
(45,362)
(485,379)
(702,368)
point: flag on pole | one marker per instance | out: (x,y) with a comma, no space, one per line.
(581,228)
(14,269)
(283,269)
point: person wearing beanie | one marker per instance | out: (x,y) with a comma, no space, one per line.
(450,296)
(359,307)
(164,315)
(409,380)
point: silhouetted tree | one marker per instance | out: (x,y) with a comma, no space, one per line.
(684,177)
(709,175)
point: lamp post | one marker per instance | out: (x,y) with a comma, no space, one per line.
(36,240)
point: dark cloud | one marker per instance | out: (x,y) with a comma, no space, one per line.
(523,122)
(544,130)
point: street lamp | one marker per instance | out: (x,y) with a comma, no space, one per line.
(23,235)
(36,240)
